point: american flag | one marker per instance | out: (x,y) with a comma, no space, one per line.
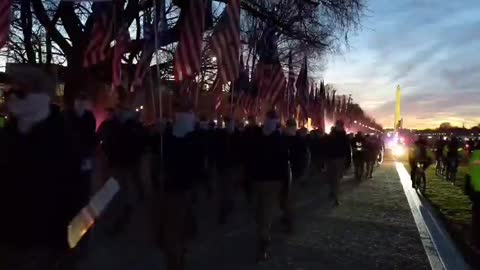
(100,37)
(277,85)
(323,107)
(290,87)
(217,92)
(5,7)
(187,60)
(143,64)
(302,88)
(121,47)
(225,42)
(269,73)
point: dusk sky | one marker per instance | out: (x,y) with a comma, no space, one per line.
(430,47)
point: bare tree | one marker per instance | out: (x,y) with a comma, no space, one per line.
(54,31)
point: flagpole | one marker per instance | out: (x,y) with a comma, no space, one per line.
(231,99)
(157,60)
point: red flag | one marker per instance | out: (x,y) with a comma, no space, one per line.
(121,47)
(5,10)
(101,35)
(225,42)
(302,88)
(217,90)
(187,60)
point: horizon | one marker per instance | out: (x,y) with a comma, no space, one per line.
(428,49)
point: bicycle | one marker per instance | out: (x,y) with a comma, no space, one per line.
(451,170)
(439,168)
(420,178)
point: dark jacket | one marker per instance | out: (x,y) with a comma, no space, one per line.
(317,147)
(202,152)
(123,142)
(359,148)
(40,180)
(181,162)
(299,154)
(272,157)
(83,129)
(226,149)
(338,145)
(249,146)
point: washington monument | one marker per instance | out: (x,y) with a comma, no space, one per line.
(397,124)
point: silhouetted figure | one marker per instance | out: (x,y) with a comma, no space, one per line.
(273,172)
(338,152)
(40,172)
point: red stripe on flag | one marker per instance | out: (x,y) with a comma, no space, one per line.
(187,60)
(97,49)
(5,10)
(225,42)
(121,47)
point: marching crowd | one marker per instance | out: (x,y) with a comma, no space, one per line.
(48,158)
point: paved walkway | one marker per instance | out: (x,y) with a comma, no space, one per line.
(372,229)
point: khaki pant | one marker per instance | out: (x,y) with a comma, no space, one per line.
(176,206)
(267,195)
(335,171)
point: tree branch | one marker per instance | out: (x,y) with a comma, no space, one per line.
(56,36)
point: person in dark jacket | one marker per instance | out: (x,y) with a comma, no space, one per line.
(227,161)
(359,149)
(201,135)
(272,173)
(124,143)
(40,172)
(181,164)
(82,123)
(299,159)
(338,151)
(249,140)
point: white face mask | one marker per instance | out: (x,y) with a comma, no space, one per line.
(184,124)
(270,126)
(30,110)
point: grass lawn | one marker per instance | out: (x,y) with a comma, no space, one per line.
(454,208)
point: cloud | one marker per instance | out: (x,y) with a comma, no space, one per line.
(428,47)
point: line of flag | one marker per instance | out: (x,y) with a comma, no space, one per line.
(102,31)
(225,42)
(5,11)
(187,59)
(121,47)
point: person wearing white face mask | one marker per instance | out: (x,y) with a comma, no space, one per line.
(181,157)
(202,137)
(273,173)
(40,177)
(227,161)
(82,122)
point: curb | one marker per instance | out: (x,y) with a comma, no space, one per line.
(439,247)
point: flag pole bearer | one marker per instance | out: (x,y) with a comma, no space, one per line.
(157,67)
(232,88)
(157,54)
